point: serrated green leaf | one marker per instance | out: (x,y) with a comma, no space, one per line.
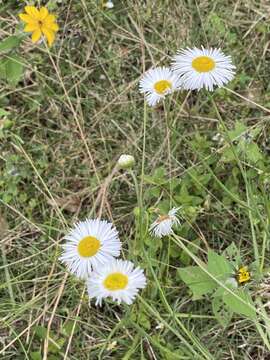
(240,303)
(197,280)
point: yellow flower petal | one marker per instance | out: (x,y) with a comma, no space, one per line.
(43,13)
(31,27)
(52,26)
(36,35)
(26,18)
(49,34)
(49,19)
(32,11)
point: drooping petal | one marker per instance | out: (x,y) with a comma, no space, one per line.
(32,11)
(43,13)
(49,34)
(31,27)
(36,35)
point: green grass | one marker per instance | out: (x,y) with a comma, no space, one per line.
(74,111)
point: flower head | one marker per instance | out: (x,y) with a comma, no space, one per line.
(164,223)
(126,161)
(90,245)
(157,83)
(200,68)
(118,279)
(243,275)
(39,22)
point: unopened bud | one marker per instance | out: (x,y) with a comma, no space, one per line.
(126,161)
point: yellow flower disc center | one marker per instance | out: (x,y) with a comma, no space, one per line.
(203,64)
(162,86)
(115,281)
(88,246)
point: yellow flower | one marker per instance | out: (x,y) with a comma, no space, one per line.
(39,22)
(243,275)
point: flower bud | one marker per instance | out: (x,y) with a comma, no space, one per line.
(126,161)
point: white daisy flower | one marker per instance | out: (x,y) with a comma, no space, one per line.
(200,68)
(157,83)
(117,279)
(164,223)
(126,161)
(90,245)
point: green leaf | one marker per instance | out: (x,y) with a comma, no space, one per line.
(9,43)
(53,357)
(228,155)
(253,152)
(158,178)
(240,304)
(144,321)
(185,199)
(14,69)
(57,345)
(36,355)
(232,252)
(239,129)
(40,332)
(193,246)
(230,283)
(217,24)
(68,328)
(3,112)
(218,266)
(197,280)
(222,312)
